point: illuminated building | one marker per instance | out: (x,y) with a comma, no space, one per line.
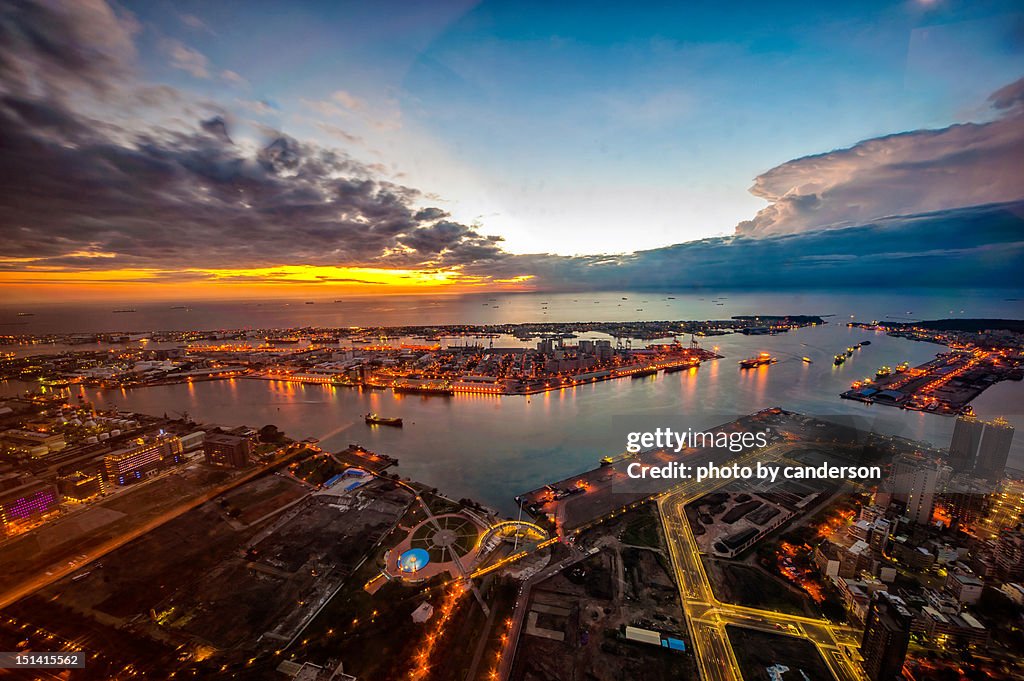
(30,442)
(223,449)
(967,499)
(80,486)
(125,466)
(27,502)
(886,636)
(1006,508)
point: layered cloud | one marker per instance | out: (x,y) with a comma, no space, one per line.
(907,173)
(104,176)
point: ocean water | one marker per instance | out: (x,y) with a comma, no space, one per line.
(494,308)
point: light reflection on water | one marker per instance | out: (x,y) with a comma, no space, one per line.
(492,448)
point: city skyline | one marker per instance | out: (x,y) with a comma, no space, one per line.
(153,152)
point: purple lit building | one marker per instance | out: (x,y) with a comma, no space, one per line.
(27,502)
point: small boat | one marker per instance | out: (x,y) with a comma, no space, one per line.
(840,359)
(377,420)
(902,366)
(808,360)
(865,342)
(883,372)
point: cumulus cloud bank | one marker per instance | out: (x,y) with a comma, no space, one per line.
(906,173)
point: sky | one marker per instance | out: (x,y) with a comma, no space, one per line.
(226,148)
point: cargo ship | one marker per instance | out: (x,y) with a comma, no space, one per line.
(762,359)
(376,420)
(650,371)
(692,364)
(422,389)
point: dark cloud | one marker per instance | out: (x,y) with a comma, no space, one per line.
(217,127)
(181,198)
(48,49)
(198,200)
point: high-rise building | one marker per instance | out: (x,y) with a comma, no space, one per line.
(914,481)
(886,636)
(224,449)
(980,447)
(963,448)
(993,450)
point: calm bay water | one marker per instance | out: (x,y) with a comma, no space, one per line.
(487,308)
(492,448)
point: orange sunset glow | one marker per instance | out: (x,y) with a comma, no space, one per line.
(279,281)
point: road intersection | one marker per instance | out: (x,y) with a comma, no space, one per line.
(707,617)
